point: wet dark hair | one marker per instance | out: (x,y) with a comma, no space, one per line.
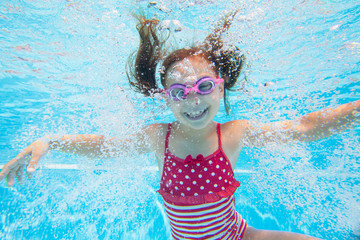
(142,65)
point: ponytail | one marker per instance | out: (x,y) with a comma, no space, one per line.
(141,66)
(230,61)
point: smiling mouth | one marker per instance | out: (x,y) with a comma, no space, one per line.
(196,115)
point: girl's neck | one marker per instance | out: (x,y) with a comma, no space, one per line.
(194,134)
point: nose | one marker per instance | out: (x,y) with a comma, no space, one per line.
(193,98)
(197,101)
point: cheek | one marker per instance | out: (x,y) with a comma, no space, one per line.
(215,96)
(173,105)
(219,95)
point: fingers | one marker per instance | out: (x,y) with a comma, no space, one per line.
(15,168)
(32,166)
(12,169)
(8,168)
(10,179)
(29,175)
(20,174)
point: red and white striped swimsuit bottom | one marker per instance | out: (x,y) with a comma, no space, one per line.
(216,220)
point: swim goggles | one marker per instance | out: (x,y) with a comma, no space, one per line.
(203,86)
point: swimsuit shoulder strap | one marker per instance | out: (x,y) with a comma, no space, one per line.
(218,129)
(167,138)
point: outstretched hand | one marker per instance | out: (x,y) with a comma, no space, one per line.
(16,167)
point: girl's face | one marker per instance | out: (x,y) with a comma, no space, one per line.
(196,111)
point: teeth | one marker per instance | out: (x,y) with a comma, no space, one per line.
(195,114)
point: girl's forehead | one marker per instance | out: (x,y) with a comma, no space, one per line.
(188,68)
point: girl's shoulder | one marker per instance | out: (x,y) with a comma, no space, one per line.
(235,129)
(156,133)
(155,130)
(239,125)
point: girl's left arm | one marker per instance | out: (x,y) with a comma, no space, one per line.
(310,127)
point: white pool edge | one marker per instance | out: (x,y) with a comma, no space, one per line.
(79,167)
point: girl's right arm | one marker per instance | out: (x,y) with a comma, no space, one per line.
(95,146)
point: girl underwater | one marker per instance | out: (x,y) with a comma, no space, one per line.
(195,155)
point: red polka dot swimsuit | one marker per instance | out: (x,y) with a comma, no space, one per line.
(198,195)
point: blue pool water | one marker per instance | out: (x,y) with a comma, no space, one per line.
(62,71)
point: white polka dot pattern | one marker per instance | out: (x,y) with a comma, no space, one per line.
(210,174)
